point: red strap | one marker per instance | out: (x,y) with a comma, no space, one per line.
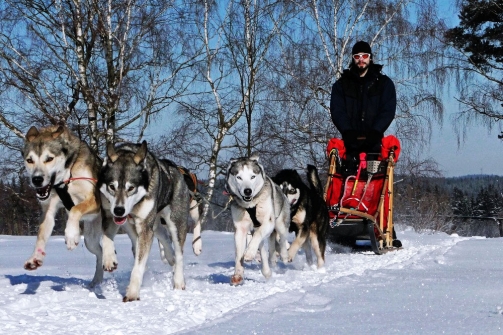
(68,181)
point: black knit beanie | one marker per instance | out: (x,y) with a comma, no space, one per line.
(361,47)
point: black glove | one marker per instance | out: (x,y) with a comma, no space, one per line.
(373,141)
(350,139)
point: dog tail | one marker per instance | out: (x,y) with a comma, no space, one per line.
(314,179)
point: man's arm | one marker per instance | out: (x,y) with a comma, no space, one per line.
(338,109)
(387,108)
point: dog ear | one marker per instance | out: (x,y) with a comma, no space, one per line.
(254,156)
(112,155)
(31,134)
(58,132)
(141,153)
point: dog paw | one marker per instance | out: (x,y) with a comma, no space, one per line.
(129,299)
(33,263)
(179,287)
(197,247)
(72,239)
(236,280)
(285,258)
(290,257)
(249,256)
(110,263)
(267,273)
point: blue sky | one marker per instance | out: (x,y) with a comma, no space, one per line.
(480,153)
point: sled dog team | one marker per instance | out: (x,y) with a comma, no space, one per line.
(153,197)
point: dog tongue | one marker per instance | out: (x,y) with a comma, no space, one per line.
(120,221)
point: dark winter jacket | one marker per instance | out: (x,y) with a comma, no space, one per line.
(363,104)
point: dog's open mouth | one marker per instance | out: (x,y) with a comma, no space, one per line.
(247,198)
(44,192)
(120,220)
(293,202)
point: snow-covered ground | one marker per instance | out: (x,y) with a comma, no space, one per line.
(438,284)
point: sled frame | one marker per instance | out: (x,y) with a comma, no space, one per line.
(382,241)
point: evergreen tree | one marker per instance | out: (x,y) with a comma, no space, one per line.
(479,33)
(478,59)
(460,203)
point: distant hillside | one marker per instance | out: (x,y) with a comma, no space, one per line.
(471,184)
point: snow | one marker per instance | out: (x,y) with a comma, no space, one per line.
(438,284)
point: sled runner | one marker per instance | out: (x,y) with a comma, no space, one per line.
(359,195)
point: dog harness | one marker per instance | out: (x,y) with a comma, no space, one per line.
(65,197)
(63,194)
(253,215)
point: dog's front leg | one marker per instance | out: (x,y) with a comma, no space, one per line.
(281,225)
(241,231)
(72,230)
(259,235)
(44,232)
(265,256)
(144,243)
(110,229)
(93,233)
(273,243)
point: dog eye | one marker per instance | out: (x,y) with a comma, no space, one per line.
(238,177)
(130,188)
(112,187)
(29,161)
(292,191)
(49,159)
(252,177)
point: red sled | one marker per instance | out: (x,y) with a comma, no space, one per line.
(360,200)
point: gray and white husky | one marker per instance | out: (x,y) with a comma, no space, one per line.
(148,196)
(260,206)
(64,172)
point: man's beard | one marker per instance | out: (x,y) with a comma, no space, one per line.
(363,68)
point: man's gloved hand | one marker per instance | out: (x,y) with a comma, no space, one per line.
(373,140)
(349,138)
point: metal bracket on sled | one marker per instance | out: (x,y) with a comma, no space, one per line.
(334,222)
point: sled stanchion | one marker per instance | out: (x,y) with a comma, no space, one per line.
(390,201)
(331,171)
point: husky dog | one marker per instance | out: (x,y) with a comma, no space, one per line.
(308,213)
(64,172)
(152,198)
(258,205)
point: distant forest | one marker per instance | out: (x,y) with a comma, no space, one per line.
(468,205)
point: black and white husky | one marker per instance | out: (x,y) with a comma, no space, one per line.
(148,196)
(308,213)
(260,206)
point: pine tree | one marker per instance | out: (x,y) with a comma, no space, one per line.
(461,204)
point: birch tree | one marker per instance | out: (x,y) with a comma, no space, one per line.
(236,39)
(405,37)
(103,67)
